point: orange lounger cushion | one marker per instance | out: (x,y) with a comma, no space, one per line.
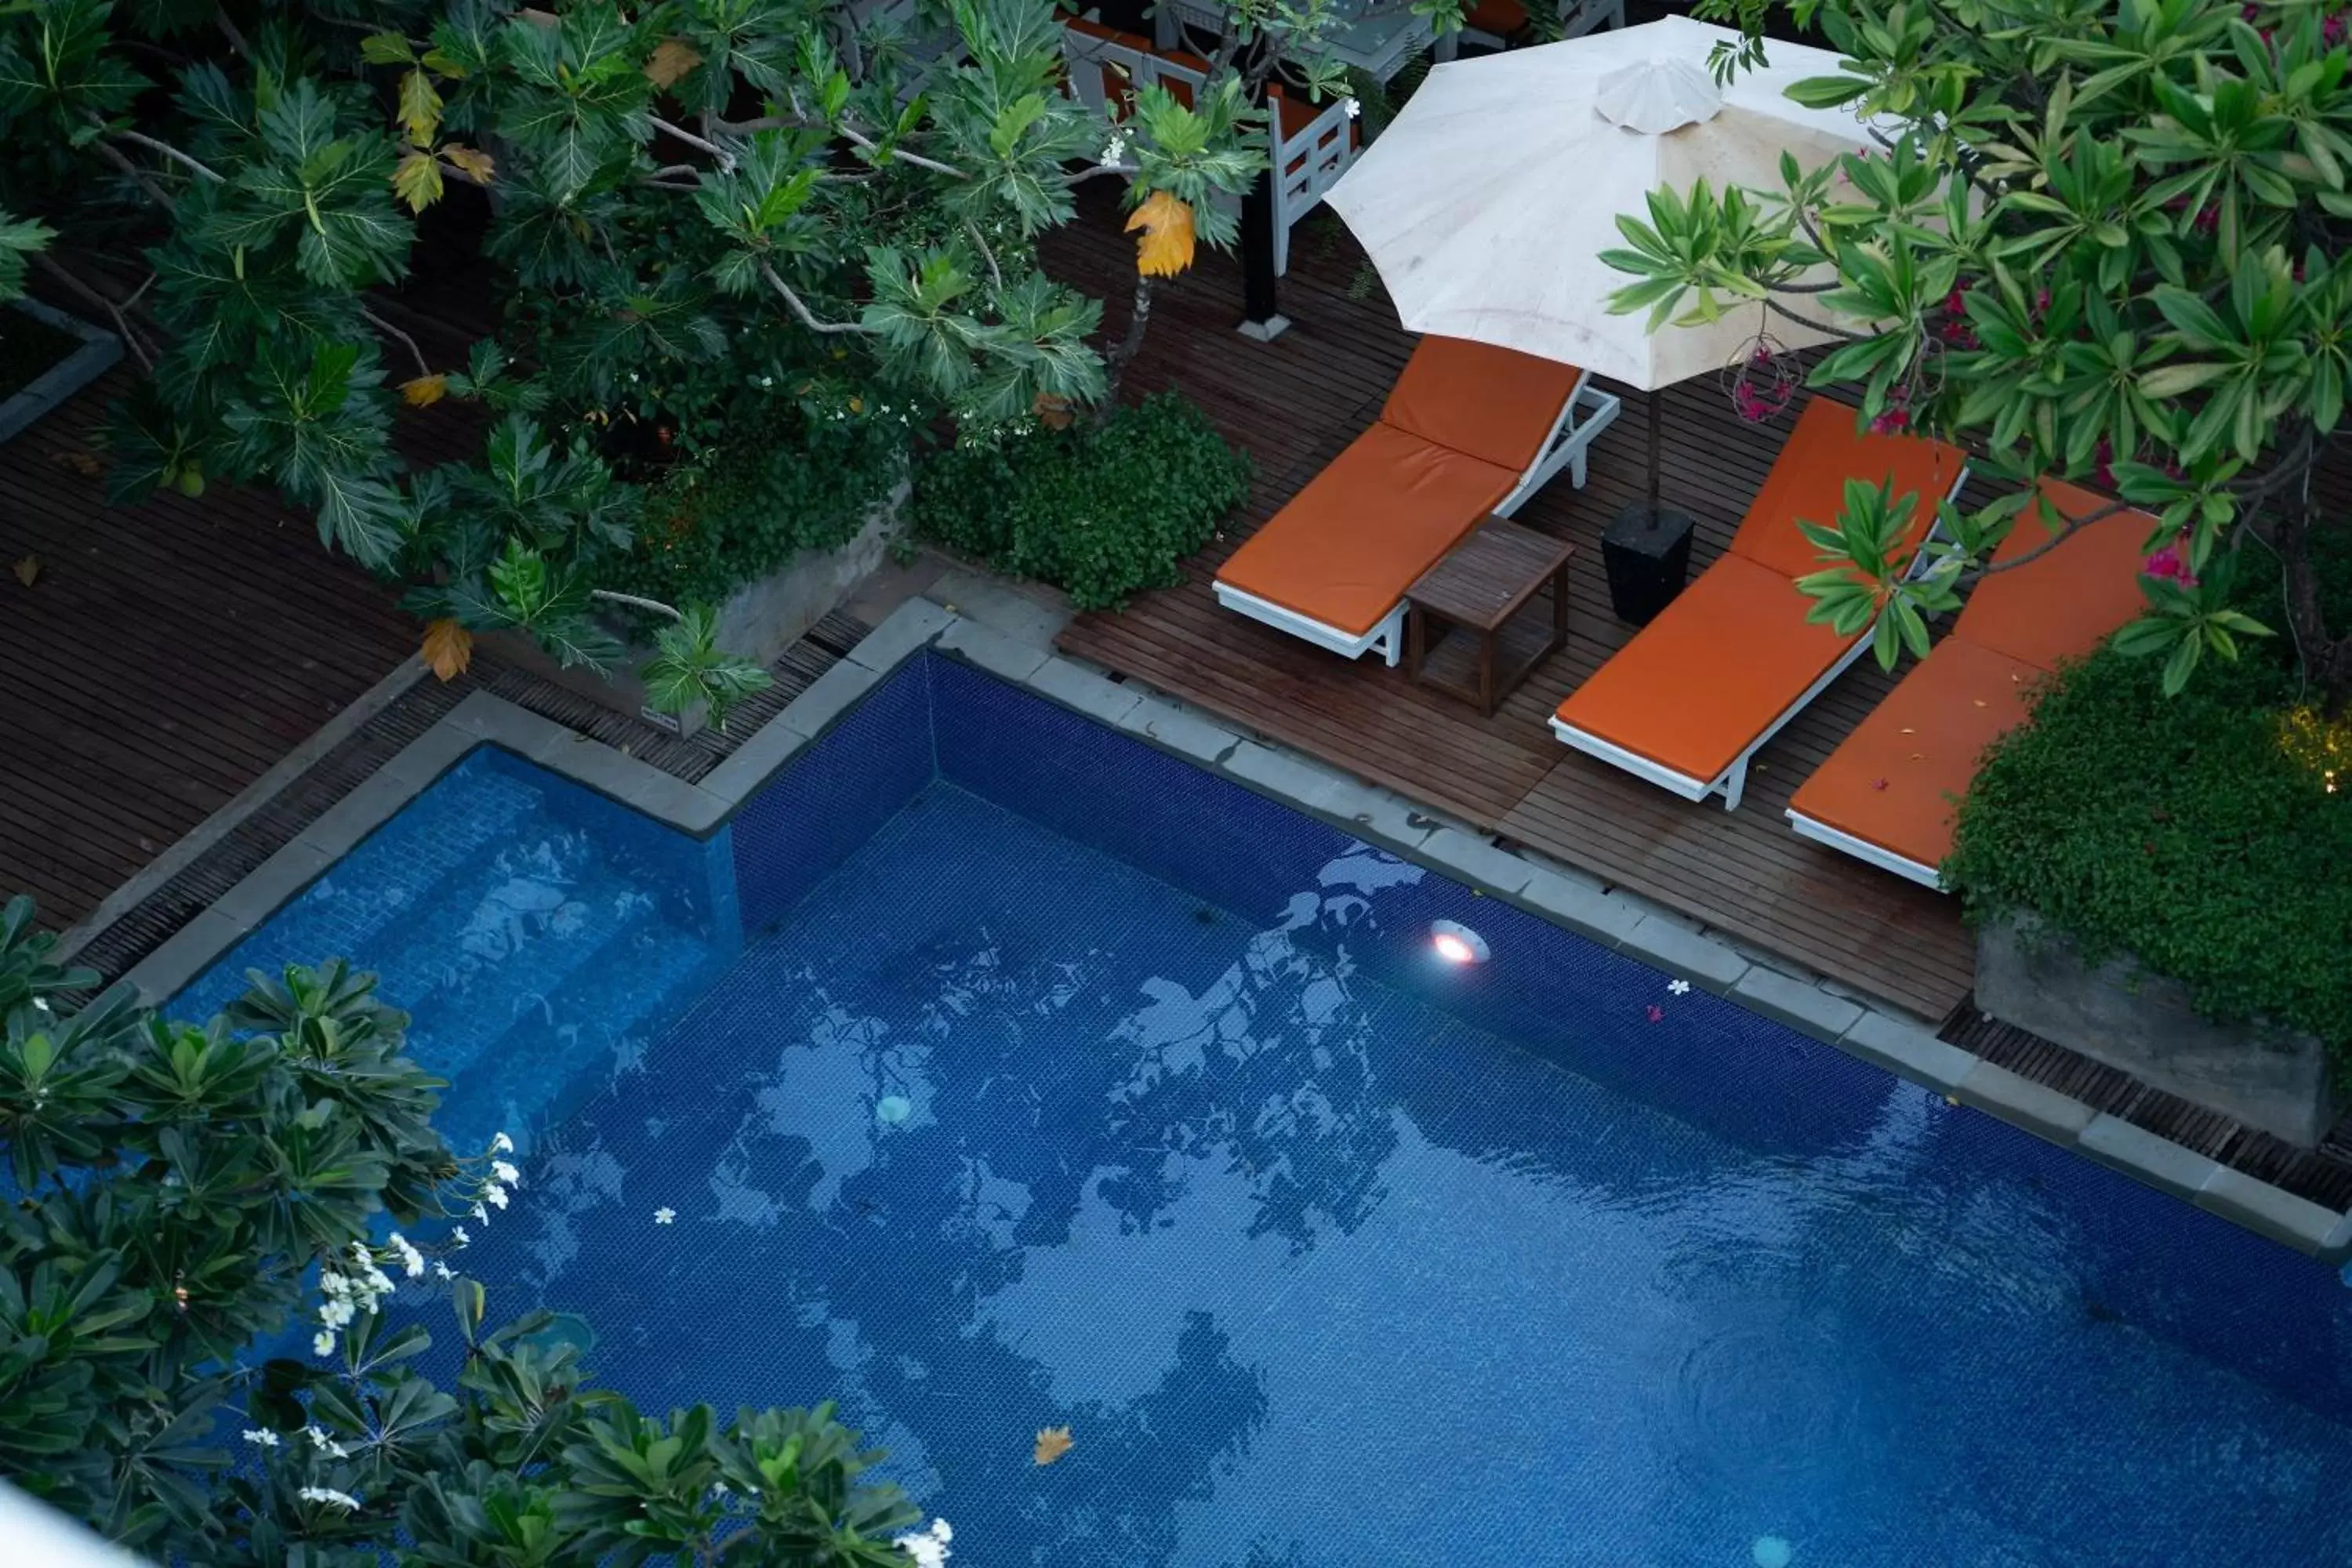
(2065,604)
(1697,685)
(1808,484)
(1893,783)
(1494,404)
(1348,545)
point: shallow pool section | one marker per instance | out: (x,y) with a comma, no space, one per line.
(1058,1084)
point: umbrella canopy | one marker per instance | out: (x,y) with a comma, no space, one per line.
(1485,204)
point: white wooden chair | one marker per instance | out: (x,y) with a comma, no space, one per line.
(1309,153)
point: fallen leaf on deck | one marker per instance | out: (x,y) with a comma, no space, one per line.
(86,464)
(449,648)
(28,570)
(1165,247)
(1053,1442)
(1977,701)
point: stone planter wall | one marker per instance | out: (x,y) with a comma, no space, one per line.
(2119,1013)
(100,348)
(758,621)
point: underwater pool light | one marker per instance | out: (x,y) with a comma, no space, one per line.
(1457,943)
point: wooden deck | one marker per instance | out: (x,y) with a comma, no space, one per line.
(1294,404)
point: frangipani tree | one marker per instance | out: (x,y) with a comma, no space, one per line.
(692,205)
(2101,241)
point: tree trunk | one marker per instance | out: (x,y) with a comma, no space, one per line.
(2326,658)
(1115,365)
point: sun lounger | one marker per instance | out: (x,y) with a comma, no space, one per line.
(1699,689)
(1468,432)
(1887,793)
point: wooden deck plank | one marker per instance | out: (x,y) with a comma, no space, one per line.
(1295,402)
(167,655)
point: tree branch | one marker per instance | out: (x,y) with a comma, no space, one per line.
(139,176)
(917,159)
(726,159)
(995,273)
(228,30)
(800,306)
(2074,525)
(1810,325)
(1129,169)
(635,602)
(81,291)
(165,148)
(380,325)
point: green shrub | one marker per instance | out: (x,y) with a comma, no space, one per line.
(1101,511)
(737,511)
(2196,832)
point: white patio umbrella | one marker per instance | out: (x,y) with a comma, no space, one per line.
(1485,204)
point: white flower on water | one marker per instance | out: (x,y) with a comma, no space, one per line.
(664,1214)
(928,1548)
(458,1235)
(261,1438)
(412,1261)
(1679,987)
(1352,107)
(501,1144)
(441,1271)
(494,1195)
(502,1172)
(323,1342)
(330,1497)
(481,1214)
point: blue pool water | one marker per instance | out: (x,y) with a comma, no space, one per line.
(1001,1074)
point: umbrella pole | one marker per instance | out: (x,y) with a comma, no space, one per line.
(1653,396)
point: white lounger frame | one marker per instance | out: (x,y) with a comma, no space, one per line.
(1322,149)
(1587,412)
(1733,781)
(1885,859)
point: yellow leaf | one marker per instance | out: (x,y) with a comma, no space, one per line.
(424,391)
(1053,1442)
(417,180)
(1165,246)
(449,648)
(672,60)
(468,160)
(29,569)
(857,406)
(420,107)
(86,464)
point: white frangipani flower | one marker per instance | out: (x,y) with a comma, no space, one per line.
(1679,987)
(261,1436)
(458,1234)
(330,1497)
(501,1144)
(502,1172)
(323,1342)
(664,1214)
(1353,108)
(928,1548)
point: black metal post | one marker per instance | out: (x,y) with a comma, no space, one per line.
(1261,298)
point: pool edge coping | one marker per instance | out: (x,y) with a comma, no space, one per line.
(1616,918)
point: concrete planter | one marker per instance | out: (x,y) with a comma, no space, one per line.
(2119,1013)
(99,351)
(758,621)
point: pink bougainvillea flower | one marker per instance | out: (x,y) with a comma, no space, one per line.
(2169,563)
(1657,1014)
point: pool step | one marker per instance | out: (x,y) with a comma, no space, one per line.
(410,862)
(609,1007)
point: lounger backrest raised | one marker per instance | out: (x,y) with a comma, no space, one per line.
(1692,698)
(1469,431)
(1888,792)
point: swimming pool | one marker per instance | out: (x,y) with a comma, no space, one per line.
(999,1072)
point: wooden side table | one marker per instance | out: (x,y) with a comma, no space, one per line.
(1480,588)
